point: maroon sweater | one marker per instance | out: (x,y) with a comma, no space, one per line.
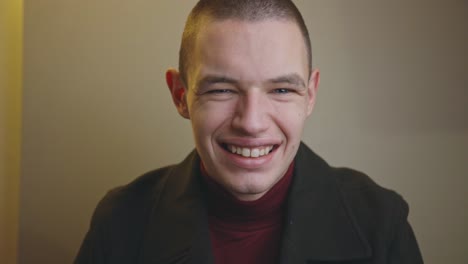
(246,231)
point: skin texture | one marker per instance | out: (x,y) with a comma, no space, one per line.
(248,86)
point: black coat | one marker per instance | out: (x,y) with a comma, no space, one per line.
(335,215)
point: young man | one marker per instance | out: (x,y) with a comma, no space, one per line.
(251,192)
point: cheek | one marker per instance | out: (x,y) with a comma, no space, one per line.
(291,118)
(209,118)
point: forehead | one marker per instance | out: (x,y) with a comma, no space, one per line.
(248,50)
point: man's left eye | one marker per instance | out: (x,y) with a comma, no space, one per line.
(281,90)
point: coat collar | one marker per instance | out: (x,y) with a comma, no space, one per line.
(319,225)
(177,231)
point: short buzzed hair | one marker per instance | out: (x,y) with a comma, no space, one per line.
(245,10)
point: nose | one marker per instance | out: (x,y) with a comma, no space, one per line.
(251,116)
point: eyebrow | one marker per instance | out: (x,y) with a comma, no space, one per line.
(213,79)
(292,78)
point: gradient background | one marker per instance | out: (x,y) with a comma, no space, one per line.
(96,111)
(11,46)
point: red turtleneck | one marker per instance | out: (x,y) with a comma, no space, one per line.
(246,231)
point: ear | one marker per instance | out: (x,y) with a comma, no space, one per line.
(312,89)
(178,92)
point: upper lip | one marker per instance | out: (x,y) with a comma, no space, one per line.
(250,142)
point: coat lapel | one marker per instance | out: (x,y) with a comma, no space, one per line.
(319,225)
(178,228)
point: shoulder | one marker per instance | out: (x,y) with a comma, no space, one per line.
(354,186)
(120,219)
(142,188)
(381,215)
(121,216)
(357,186)
(133,199)
(369,205)
(138,197)
(375,208)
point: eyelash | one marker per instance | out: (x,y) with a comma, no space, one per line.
(282,90)
(278,91)
(219,91)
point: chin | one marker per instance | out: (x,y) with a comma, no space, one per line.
(249,190)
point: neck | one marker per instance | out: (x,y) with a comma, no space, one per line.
(225,205)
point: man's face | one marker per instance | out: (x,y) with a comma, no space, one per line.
(248,98)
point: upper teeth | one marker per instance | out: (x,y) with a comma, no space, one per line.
(250,152)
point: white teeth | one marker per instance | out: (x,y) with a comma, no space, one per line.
(239,151)
(250,152)
(255,153)
(233,149)
(246,152)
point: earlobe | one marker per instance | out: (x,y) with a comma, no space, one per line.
(178,92)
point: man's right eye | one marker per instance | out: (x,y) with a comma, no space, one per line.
(218,94)
(219,91)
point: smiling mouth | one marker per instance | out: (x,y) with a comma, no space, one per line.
(247,152)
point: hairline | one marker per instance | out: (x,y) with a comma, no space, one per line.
(208,17)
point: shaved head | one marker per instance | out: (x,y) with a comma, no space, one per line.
(244,10)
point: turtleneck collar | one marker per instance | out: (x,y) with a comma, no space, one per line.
(228,209)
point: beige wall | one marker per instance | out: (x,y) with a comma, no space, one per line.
(11,16)
(392,103)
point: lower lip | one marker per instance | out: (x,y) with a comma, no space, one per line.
(248,162)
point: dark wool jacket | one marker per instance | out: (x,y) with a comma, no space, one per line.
(335,215)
